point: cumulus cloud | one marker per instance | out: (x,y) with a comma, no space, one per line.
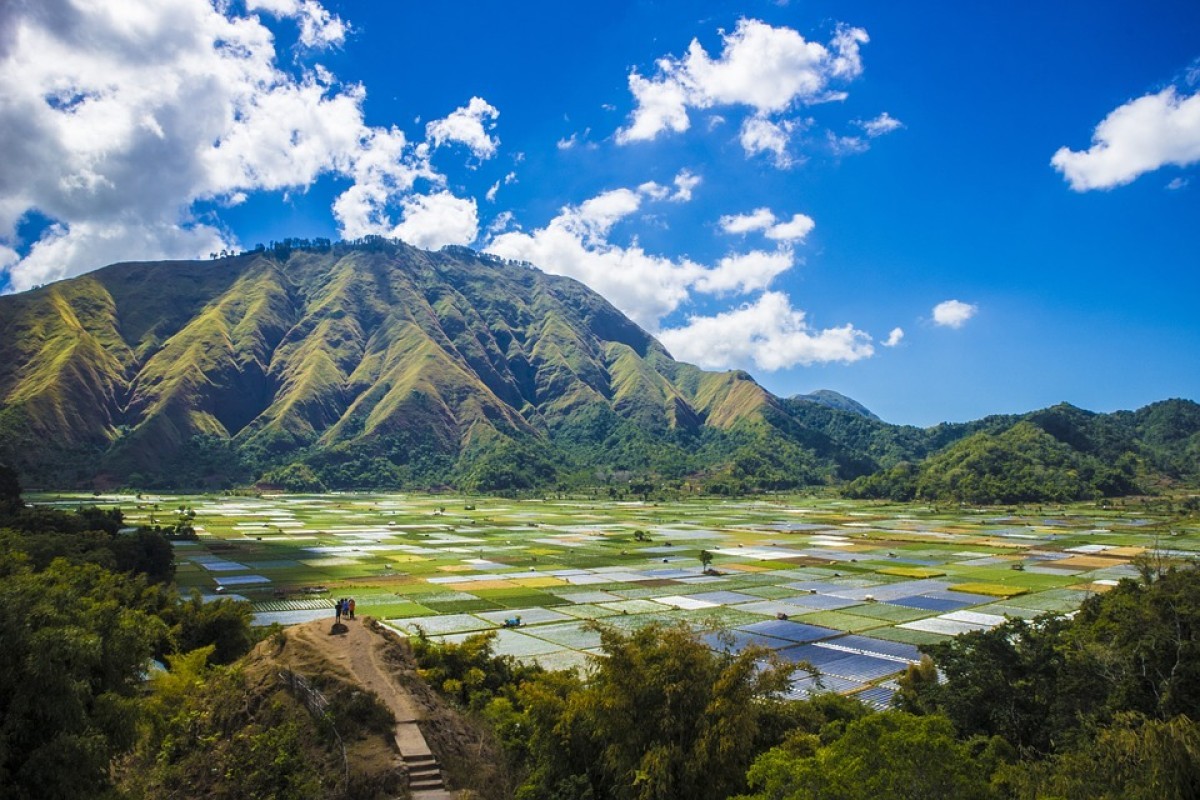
(436,220)
(647,287)
(763,219)
(760,135)
(757,220)
(894,338)
(574,243)
(745,272)
(953,313)
(793,230)
(113,132)
(1140,136)
(769,333)
(765,68)
(468,125)
(318,27)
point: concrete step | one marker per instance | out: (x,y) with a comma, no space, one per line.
(424,774)
(420,759)
(417,786)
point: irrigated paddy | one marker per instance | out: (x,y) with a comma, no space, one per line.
(848,587)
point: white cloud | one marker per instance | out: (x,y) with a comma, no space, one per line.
(574,243)
(655,191)
(846,145)
(1137,137)
(761,135)
(883,124)
(647,287)
(745,272)
(794,230)
(684,182)
(319,28)
(501,221)
(468,125)
(768,333)
(894,338)
(436,220)
(110,242)
(117,119)
(953,313)
(763,219)
(765,68)
(757,220)
(1177,183)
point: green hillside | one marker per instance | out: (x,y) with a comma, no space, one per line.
(377,365)
(1058,453)
(348,366)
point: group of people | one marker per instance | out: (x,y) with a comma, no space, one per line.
(344,608)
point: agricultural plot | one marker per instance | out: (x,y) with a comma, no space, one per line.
(850,589)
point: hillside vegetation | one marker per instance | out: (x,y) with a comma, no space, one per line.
(319,366)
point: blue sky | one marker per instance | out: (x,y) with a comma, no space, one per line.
(770,186)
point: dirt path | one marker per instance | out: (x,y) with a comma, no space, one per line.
(357,651)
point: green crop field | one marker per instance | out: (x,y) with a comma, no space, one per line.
(848,586)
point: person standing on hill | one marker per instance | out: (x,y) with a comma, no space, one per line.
(350,607)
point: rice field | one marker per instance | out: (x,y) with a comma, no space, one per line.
(849,587)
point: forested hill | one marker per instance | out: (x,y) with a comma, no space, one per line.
(378,365)
(1058,453)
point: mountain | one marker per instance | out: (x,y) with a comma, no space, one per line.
(1058,453)
(351,365)
(832,399)
(373,364)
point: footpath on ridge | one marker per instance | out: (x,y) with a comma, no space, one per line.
(358,650)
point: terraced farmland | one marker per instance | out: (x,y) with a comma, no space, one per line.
(849,587)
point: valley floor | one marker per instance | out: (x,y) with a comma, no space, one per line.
(849,587)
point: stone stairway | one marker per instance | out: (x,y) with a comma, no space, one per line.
(424,777)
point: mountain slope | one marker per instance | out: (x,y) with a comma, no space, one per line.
(378,365)
(374,363)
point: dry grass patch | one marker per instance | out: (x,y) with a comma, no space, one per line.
(912,572)
(989,589)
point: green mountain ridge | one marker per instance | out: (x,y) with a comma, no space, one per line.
(375,364)
(376,351)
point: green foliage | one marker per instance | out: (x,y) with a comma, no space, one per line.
(223,624)
(1024,463)
(469,673)
(1134,758)
(78,637)
(216,734)
(662,716)
(294,478)
(1043,684)
(75,643)
(895,483)
(890,754)
(10,491)
(1007,682)
(506,465)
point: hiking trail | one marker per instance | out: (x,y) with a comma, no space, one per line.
(358,651)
